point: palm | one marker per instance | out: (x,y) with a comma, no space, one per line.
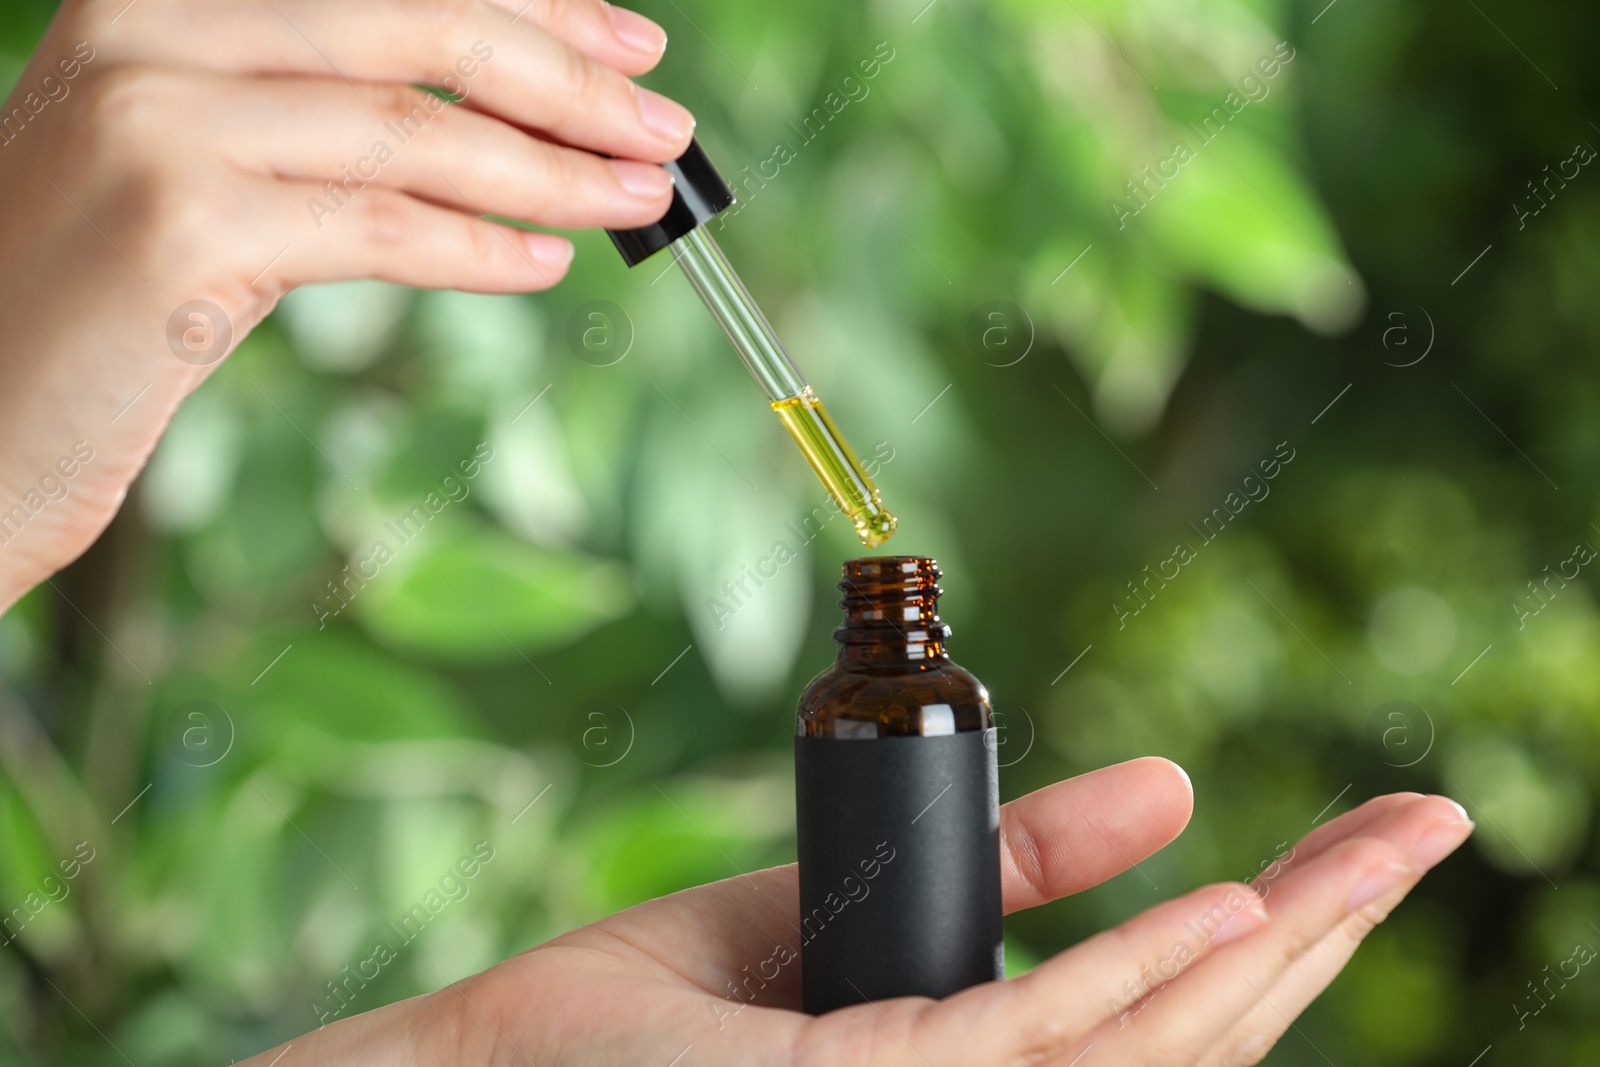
(711,975)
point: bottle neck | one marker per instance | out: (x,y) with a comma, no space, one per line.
(891,614)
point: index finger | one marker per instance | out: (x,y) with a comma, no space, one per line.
(615,36)
(498,64)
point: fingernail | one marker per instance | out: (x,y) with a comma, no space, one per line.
(1462,812)
(549,250)
(1246,920)
(636,31)
(644,180)
(1439,842)
(667,119)
(1378,883)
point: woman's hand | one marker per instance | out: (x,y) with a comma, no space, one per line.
(170,168)
(711,975)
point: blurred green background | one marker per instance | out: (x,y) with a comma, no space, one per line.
(1059,392)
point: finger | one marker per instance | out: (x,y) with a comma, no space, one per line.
(1036,1016)
(1343,828)
(1307,905)
(1193,1012)
(379,233)
(1430,831)
(1169,952)
(514,70)
(1249,1040)
(615,36)
(1403,814)
(1072,835)
(315,129)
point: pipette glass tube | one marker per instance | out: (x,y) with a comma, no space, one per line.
(791,397)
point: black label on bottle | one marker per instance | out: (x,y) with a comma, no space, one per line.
(899,841)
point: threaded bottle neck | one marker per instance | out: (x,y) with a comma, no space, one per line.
(891,613)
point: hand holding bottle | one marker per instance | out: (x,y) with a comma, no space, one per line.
(170,168)
(710,976)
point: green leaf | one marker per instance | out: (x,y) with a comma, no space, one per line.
(338,686)
(1241,218)
(23,844)
(482,597)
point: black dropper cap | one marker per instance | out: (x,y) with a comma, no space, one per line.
(698,195)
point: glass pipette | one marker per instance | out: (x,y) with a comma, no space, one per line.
(698,196)
(795,401)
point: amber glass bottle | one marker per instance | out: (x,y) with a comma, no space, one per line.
(897,801)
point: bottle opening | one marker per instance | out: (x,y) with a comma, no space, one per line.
(892,602)
(885,577)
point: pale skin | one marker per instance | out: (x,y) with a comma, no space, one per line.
(174,151)
(177,161)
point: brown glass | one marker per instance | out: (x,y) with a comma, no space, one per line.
(893,676)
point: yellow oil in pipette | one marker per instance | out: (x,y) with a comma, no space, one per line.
(836,466)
